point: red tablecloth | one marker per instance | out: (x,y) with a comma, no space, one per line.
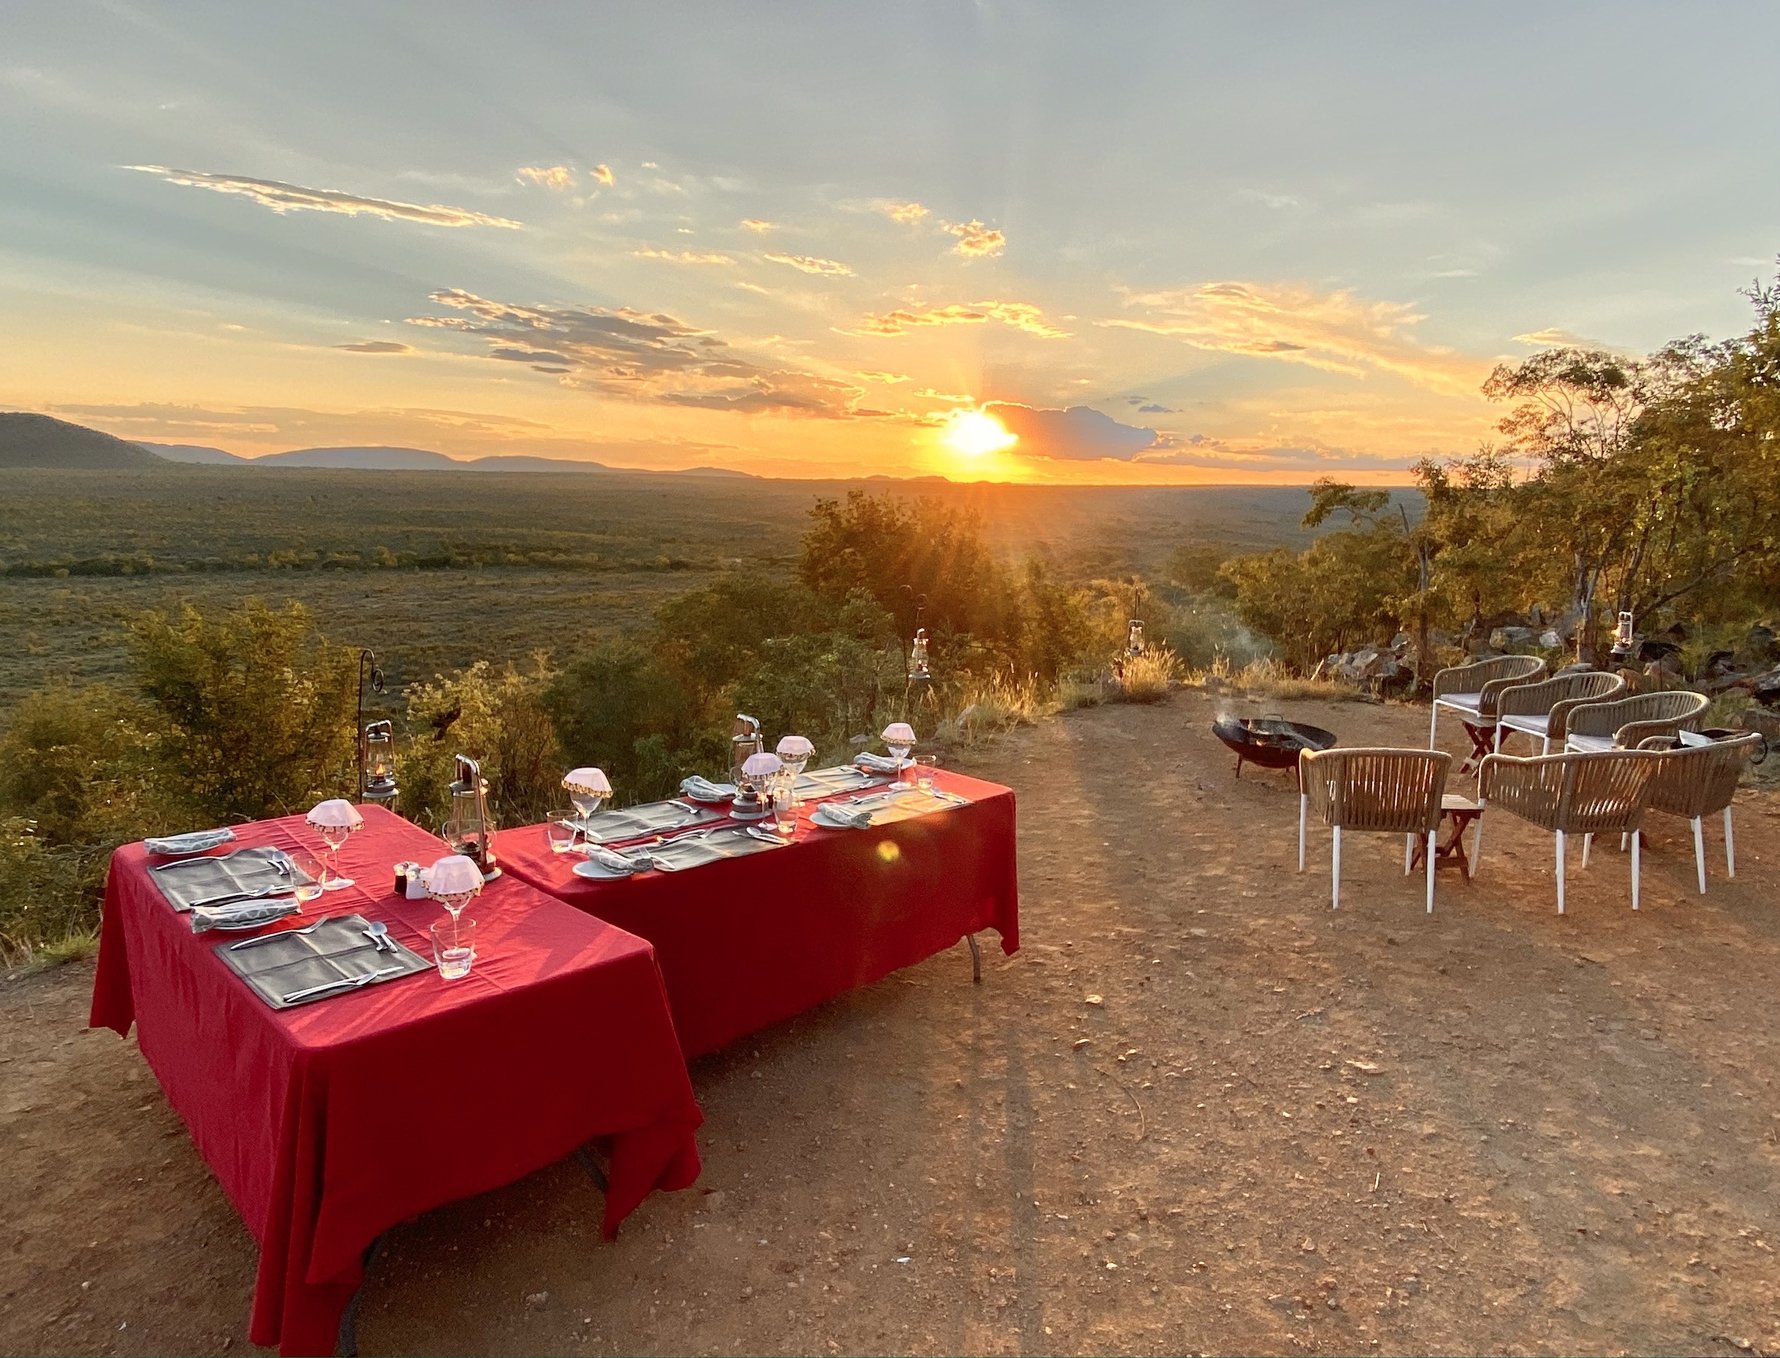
(750,941)
(329,1123)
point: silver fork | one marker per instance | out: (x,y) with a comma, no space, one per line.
(282,933)
(347,983)
(230,897)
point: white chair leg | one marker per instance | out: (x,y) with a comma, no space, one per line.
(1622,841)
(1408,853)
(1430,872)
(1433,721)
(1699,853)
(1497,739)
(1303,813)
(1476,843)
(1560,870)
(1635,843)
(1588,842)
(1335,872)
(1730,846)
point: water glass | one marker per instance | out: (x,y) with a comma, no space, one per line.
(785,811)
(925,764)
(305,876)
(562,830)
(454,946)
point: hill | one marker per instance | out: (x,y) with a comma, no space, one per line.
(195,453)
(362,459)
(30,440)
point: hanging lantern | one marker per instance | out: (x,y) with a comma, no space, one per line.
(1134,637)
(377,762)
(469,829)
(919,673)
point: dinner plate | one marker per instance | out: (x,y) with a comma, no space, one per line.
(707,801)
(599,872)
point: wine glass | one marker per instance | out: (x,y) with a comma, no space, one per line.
(588,789)
(795,752)
(899,739)
(335,836)
(454,881)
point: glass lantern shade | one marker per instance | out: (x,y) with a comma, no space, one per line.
(1134,644)
(377,762)
(469,829)
(918,663)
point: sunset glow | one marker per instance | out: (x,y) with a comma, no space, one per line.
(259,228)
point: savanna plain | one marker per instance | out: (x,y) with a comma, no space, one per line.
(1197,1111)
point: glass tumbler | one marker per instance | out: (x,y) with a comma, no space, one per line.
(454,946)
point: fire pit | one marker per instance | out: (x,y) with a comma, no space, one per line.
(1271,742)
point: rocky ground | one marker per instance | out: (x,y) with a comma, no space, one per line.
(1197,1111)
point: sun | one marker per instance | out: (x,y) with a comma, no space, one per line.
(973,434)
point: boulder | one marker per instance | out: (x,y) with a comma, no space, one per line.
(1550,640)
(1760,645)
(1502,638)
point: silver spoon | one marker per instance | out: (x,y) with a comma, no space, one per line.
(379,932)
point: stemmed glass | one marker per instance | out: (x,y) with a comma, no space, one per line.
(588,788)
(899,739)
(335,820)
(794,752)
(454,881)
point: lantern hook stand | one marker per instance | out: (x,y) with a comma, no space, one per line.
(367,668)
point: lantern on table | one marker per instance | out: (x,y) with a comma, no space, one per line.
(377,762)
(744,740)
(469,829)
(754,785)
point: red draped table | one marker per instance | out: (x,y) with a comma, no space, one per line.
(329,1123)
(749,941)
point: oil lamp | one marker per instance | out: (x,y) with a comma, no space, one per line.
(1622,639)
(469,829)
(918,669)
(1134,637)
(753,784)
(744,740)
(377,762)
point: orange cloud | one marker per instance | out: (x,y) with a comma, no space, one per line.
(906,213)
(602,174)
(759,225)
(681,256)
(975,240)
(832,268)
(282,197)
(1019,315)
(1332,331)
(558,177)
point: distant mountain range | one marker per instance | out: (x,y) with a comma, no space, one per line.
(30,440)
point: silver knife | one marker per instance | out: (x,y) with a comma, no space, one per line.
(346,983)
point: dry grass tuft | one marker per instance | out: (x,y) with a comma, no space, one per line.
(1147,678)
(1269,679)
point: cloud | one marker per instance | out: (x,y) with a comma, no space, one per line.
(888,379)
(897,211)
(646,357)
(1019,315)
(1333,331)
(1077,434)
(377,347)
(681,256)
(602,174)
(283,198)
(559,177)
(759,224)
(1151,408)
(1279,202)
(813,264)
(1555,337)
(976,241)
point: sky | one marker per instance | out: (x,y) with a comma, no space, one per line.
(1071,243)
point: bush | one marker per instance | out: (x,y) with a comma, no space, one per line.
(1146,678)
(499,719)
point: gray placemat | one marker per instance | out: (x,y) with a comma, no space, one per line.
(904,803)
(693,851)
(830,782)
(649,819)
(199,881)
(336,949)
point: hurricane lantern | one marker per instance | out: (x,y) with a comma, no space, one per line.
(377,762)
(469,829)
(919,673)
(744,740)
(1134,644)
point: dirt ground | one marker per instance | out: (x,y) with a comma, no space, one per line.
(1197,1112)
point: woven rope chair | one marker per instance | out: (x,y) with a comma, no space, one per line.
(1543,709)
(1386,791)
(1472,690)
(1625,723)
(1696,781)
(1568,794)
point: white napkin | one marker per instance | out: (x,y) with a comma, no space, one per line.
(195,842)
(846,815)
(878,763)
(614,862)
(242,913)
(705,788)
